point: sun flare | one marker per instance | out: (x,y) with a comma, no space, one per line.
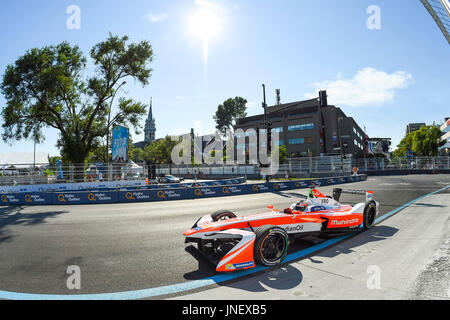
(206,24)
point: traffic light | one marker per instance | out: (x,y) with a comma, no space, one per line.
(323,98)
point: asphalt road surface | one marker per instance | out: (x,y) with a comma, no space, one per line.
(122,247)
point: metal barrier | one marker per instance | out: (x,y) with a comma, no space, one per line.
(149,195)
(124,174)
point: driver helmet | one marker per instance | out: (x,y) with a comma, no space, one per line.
(300,206)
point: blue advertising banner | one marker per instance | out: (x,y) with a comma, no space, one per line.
(148,193)
(135,196)
(260,188)
(10,199)
(280,186)
(172,194)
(343,179)
(64,198)
(236,189)
(207,192)
(332,181)
(299,184)
(228,190)
(36,198)
(120,144)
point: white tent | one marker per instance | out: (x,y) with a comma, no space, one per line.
(23,159)
(135,168)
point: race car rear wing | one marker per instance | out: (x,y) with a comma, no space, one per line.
(338,191)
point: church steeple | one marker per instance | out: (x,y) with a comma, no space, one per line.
(150,128)
(150,113)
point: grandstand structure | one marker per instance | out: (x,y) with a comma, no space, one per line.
(440,11)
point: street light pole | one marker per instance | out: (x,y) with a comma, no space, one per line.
(340,144)
(267,127)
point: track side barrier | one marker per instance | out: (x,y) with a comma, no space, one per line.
(109,186)
(154,195)
(199,191)
(94,197)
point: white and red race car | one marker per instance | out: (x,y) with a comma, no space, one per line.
(236,243)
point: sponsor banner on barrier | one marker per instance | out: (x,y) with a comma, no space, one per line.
(206,192)
(228,190)
(36,198)
(279,186)
(148,194)
(332,181)
(235,189)
(259,188)
(300,184)
(107,185)
(10,199)
(342,180)
(15,189)
(172,194)
(67,198)
(84,197)
(317,183)
(80,186)
(135,196)
(101,197)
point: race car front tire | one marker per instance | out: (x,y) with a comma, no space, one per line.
(222,215)
(271,245)
(370,212)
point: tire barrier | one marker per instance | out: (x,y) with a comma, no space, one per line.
(199,191)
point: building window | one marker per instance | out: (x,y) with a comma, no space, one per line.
(309,140)
(297,141)
(280,142)
(279,129)
(300,127)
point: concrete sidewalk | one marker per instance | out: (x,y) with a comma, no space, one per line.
(404,257)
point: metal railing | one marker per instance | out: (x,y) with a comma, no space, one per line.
(24,174)
(41,173)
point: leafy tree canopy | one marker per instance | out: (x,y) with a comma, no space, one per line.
(160,151)
(229,113)
(423,142)
(47,87)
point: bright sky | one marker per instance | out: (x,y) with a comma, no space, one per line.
(207,51)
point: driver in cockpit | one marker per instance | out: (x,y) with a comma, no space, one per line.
(300,206)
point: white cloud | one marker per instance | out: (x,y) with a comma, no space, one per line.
(368,87)
(154,18)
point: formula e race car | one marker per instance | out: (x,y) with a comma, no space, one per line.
(236,243)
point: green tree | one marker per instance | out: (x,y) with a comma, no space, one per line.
(282,153)
(46,87)
(53,161)
(404,145)
(137,155)
(160,151)
(229,113)
(423,142)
